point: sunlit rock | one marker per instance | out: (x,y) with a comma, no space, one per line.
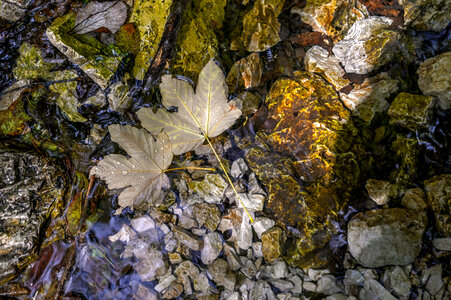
(260,27)
(97,60)
(368,45)
(427,14)
(415,199)
(211,189)
(271,244)
(333,18)
(411,111)
(318,60)
(384,237)
(434,79)
(369,98)
(438,192)
(245,73)
(378,191)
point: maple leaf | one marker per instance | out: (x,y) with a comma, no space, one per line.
(96,15)
(201,115)
(143,174)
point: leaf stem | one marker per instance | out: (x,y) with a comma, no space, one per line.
(189,168)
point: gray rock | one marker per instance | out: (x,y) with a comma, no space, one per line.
(201,283)
(353,277)
(260,225)
(261,290)
(164,284)
(315,274)
(249,269)
(206,215)
(187,238)
(443,244)
(211,189)
(14,10)
(367,45)
(327,284)
(184,272)
(125,234)
(143,292)
(378,190)
(239,168)
(297,284)
(432,277)
(427,15)
(438,193)
(232,257)
(282,285)
(339,297)
(142,223)
(309,286)
(386,236)
(234,296)
(212,247)
(257,248)
(375,290)
(414,199)
(434,79)
(150,262)
(244,232)
(220,273)
(397,281)
(187,222)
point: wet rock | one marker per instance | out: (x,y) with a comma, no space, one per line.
(378,190)
(261,290)
(97,60)
(438,193)
(245,73)
(249,269)
(318,60)
(260,27)
(406,151)
(271,244)
(173,291)
(197,42)
(149,17)
(125,234)
(397,281)
(260,225)
(327,284)
(239,168)
(144,293)
(376,237)
(31,191)
(221,274)
(248,103)
(427,14)
(30,64)
(244,232)
(165,283)
(233,259)
(368,45)
(184,272)
(210,190)
(443,244)
(297,282)
(353,277)
(212,247)
(432,278)
(369,98)
(434,79)
(411,111)
(14,10)
(9,98)
(206,215)
(119,97)
(187,238)
(415,199)
(333,18)
(201,283)
(143,223)
(375,290)
(282,285)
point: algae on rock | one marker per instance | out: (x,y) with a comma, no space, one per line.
(30,64)
(411,111)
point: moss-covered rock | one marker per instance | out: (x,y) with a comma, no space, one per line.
(427,14)
(197,42)
(411,111)
(97,60)
(30,64)
(406,151)
(245,73)
(211,189)
(260,27)
(438,192)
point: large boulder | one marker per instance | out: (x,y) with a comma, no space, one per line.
(427,14)
(383,237)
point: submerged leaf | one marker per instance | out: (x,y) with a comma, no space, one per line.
(142,175)
(205,113)
(95,15)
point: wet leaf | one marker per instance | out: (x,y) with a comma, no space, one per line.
(95,15)
(205,113)
(142,175)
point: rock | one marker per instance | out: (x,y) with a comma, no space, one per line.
(415,199)
(406,151)
(411,111)
(297,282)
(239,168)
(142,223)
(184,272)
(201,283)
(234,296)
(10,97)
(309,286)
(353,277)
(261,224)
(119,97)
(282,285)
(340,297)
(173,291)
(397,281)
(244,232)
(434,80)
(318,60)
(427,14)
(233,259)
(327,284)
(211,189)
(260,27)
(206,215)
(443,244)
(333,18)
(378,190)
(376,237)
(248,103)
(315,274)
(438,193)
(149,17)
(245,73)
(257,249)
(212,247)
(432,278)
(261,290)
(165,283)
(30,64)
(220,273)
(271,244)
(125,234)
(31,191)
(97,60)
(187,238)
(248,269)
(369,98)
(368,45)
(144,293)
(187,222)
(374,290)
(14,10)
(278,269)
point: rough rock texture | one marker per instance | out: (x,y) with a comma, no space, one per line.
(312,130)
(13,10)
(378,191)
(411,111)
(415,199)
(386,236)
(406,151)
(260,26)
(427,14)
(367,45)
(245,73)
(438,192)
(28,187)
(318,60)
(369,98)
(333,18)
(271,244)
(434,79)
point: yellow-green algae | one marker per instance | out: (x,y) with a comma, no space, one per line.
(30,64)
(411,111)
(407,151)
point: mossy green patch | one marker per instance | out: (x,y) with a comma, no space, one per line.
(30,64)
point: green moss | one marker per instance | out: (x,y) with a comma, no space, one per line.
(30,64)
(411,111)
(407,151)
(13,121)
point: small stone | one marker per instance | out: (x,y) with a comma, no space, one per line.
(201,283)
(248,103)
(415,199)
(257,248)
(386,236)
(327,284)
(374,290)
(14,10)
(282,285)
(315,274)
(279,269)
(261,290)
(397,281)
(353,277)
(239,168)
(438,193)
(434,79)
(370,274)
(221,274)
(443,244)
(173,291)
(232,257)
(142,223)
(234,296)
(125,234)
(175,258)
(426,15)
(184,272)
(260,225)
(185,237)
(164,284)
(249,270)
(245,73)
(244,234)
(144,293)
(411,111)
(297,284)
(432,277)
(309,286)
(206,214)
(186,222)
(212,247)
(338,297)
(378,190)
(271,244)
(210,190)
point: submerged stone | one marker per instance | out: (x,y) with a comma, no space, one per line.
(210,190)
(260,27)
(368,45)
(245,73)
(333,18)
(411,111)
(427,14)
(97,60)
(15,92)
(434,79)
(406,151)
(14,10)
(30,64)
(119,97)
(149,18)
(438,192)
